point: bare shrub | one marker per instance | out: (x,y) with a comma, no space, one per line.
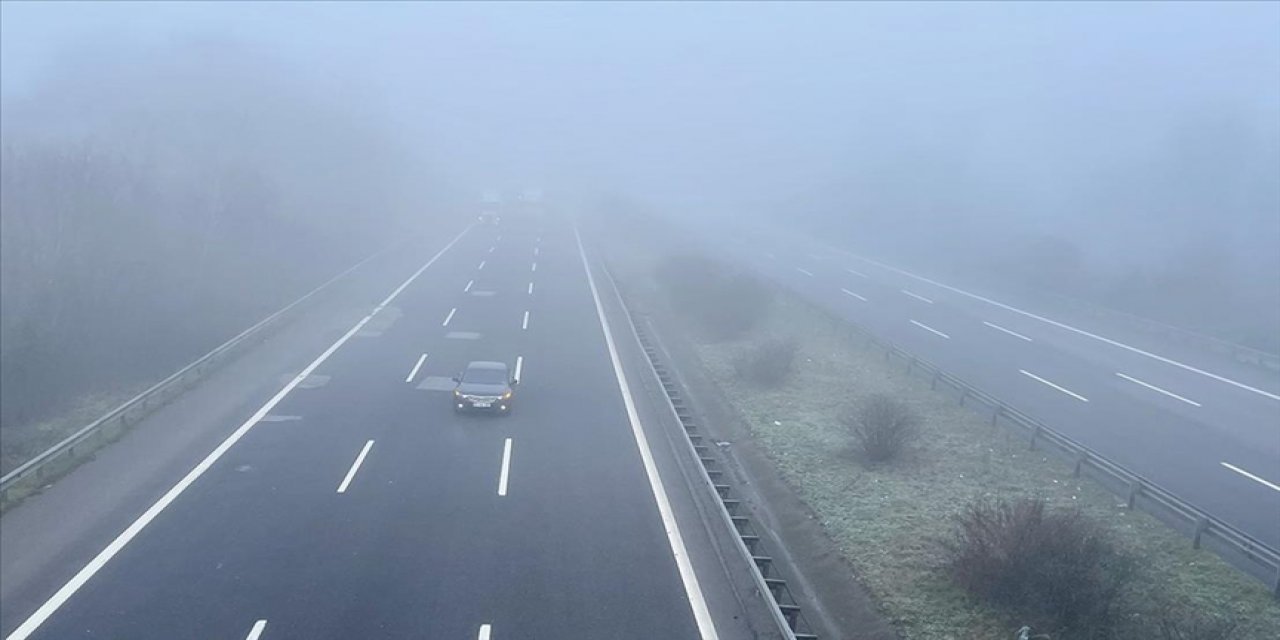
(1180,624)
(882,427)
(768,363)
(1052,568)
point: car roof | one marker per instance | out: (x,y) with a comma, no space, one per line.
(486,364)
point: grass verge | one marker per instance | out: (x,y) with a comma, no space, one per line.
(887,520)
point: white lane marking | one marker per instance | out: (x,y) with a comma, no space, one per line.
(481,265)
(468,287)
(417,366)
(449,317)
(930,329)
(1012,333)
(917,296)
(530,288)
(519,367)
(506,468)
(807,273)
(1062,389)
(484,632)
(848,292)
(535,252)
(1158,389)
(692,590)
(524,324)
(50,606)
(491,249)
(535,266)
(499,238)
(857,273)
(1250,476)
(256,631)
(1060,325)
(355,466)
(769,256)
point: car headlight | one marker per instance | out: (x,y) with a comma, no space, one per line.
(506,395)
(457,394)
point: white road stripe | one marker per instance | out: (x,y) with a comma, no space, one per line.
(484,632)
(1060,325)
(535,252)
(848,292)
(519,366)
(769,256)
(1158,389)
(1012,333)
(688,578)
(481,265)
(930,329)
(468,287)
(449,317)
(50,606)
(355,466)
(506,468)
(917,296)
(1250,476)
(530,288)
(491,249)
(524,324)
(535,266)
(807,273)
(1062,389)
(857,273)
(256,631)
(417,366)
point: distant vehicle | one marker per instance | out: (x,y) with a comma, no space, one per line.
(484,386)
(489,219)
(491,197)
(531,196)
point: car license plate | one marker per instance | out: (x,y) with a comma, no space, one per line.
(483,405)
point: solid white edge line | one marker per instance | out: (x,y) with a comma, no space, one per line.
(355,466)
(422,358)
(256,631)
(519,367)
(848,292)
(525,323)
(467,288)
(1250,475)
(1158,389)
(930,329)
(693,591)
(917,296)
(1068,327)
(506,467)
(1012,333)
(484,632)
(807,273)
(95,565)
(449,317)
(1062,389)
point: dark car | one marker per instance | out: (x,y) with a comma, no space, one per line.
(489,219)
(484,386)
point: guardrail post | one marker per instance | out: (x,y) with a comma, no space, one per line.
(1201,525)
(995,415)
(1031,444)
(1275,584)
(933,383)
(1080,458)
(1135,488)
(964,393)
(910,363)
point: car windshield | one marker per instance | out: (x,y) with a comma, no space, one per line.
(485,376)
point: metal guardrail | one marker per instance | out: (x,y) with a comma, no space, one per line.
(60,457)
(1233,545)
(785,609)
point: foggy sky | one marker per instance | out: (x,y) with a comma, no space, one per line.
(1103,122)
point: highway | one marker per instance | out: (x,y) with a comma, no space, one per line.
(1202,425)
(356,504)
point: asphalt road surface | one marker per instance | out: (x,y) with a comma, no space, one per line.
(356,504)
(1200,424)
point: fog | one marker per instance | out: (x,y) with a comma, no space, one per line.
(1119,148)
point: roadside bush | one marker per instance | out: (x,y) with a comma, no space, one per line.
(1181,624)
(882,427)
(1053,569)
(722,304)
(767,364)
